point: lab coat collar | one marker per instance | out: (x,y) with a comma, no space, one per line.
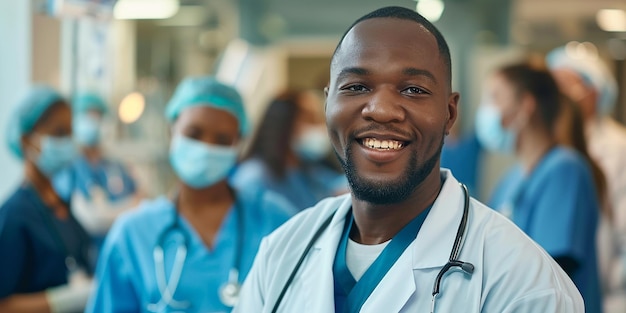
(434,242)
(431,248)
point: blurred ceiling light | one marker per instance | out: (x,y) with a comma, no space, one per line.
(578,50)
(187,15)
(131,108)
(611,20)
(430,9)
(145,9)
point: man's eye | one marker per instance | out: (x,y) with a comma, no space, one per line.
(415,90)
(356,88)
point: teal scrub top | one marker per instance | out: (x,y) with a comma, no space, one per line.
(557,206)
(126,267)
(303,187)
(111,176)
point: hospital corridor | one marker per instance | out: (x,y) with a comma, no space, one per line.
(263,156)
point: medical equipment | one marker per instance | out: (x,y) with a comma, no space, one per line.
(229,291)
(453,261)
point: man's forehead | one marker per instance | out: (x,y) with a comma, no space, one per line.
(384,34)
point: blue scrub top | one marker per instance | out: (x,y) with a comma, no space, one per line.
(110,176)
(462,157)
(36,244)
(303,187)
(126,268)
(557,206)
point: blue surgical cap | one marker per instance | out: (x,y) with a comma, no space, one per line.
(85,101)
(27,113)
(592,71)
(207,91)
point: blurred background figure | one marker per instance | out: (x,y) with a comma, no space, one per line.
(46,264)
(570,132)
(586,80)
(190,252)
(290,152)
(99,188)
(550,193)
(462,153)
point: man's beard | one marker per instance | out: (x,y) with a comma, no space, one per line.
(389,192)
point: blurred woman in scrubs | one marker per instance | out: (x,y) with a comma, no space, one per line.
(45,262)
(570,132)
(189,253)
(550,194)
(100,188)
(289,152)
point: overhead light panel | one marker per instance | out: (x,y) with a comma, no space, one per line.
(430,9)
(145,9)
(611,20)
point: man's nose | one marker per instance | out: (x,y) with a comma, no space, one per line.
(385,106)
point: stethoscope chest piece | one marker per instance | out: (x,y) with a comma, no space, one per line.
(229,292)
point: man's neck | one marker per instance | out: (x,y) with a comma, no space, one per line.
(378,223)
(92,154)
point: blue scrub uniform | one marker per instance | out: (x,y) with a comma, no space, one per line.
(462,157)
(126,268)
(303,187)
(112,177)
(35,245)
(557,206)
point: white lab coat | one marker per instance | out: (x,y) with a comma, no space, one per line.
(512,273)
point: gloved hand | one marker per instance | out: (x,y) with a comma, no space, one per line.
(97,214)
(71,297)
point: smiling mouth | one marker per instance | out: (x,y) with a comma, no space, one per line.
(383,145)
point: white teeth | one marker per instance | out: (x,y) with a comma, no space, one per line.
(373,143)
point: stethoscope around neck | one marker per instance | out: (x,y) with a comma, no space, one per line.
(453,260)
(228,292)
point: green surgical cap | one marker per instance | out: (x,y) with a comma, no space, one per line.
(207,91)
(27,113)
(85,101)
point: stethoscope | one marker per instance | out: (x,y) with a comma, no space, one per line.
(453,261)
(228,292)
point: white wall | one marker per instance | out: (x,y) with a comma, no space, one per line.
(15,75)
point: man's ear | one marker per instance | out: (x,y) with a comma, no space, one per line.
(325,97)
(452,106)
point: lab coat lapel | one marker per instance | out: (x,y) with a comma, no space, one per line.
(320,274)
(435,240)
(395,289)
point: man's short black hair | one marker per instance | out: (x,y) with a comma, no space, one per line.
(406,14)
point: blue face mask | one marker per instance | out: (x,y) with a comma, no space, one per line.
(87,130)
(313,144)
(490,132)
(55,154)
(199,164)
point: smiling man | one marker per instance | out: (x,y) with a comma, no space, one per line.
(407,238)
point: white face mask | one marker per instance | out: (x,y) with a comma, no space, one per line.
(312,144)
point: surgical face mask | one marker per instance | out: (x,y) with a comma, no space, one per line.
(312,144)
(87,130)
(199,164)
(55,154)
(490,132)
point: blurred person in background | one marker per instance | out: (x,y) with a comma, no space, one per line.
(462,153)
(190,253)
(289,151)
(570,132)
(585,79)
(550,194)
(45,266)
(99,188)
